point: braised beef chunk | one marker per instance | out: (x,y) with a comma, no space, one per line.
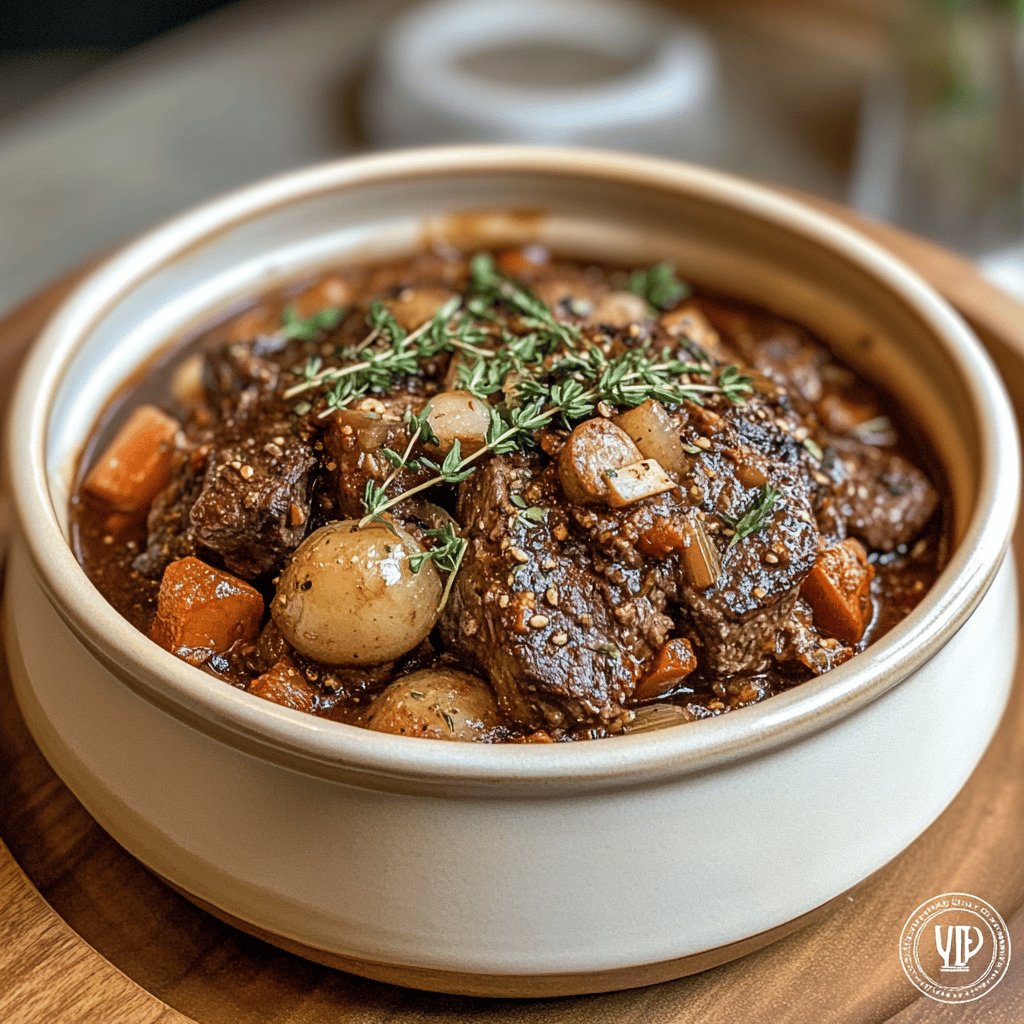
(885,500)
(238,377)
(782,351)
(169,529)
(561,629)
(354,442)
(756,503)
(253,507)
(509,498)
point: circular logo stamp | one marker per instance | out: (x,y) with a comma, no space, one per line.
(955,948)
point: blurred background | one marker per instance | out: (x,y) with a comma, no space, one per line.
(114,115)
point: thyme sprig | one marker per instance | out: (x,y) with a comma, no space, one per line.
(446,553)
(380,367)
(529,515)
(631,378)
(529,367)
(488,287)
(311,327)
(628,379)
(756,516)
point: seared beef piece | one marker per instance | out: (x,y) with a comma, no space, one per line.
(782,351)
(239,376)
(799,641)
(169,529)
(736,619)
(242,493)
(353,442)
(560,629)
(884,500)
(739,617)
(253,507)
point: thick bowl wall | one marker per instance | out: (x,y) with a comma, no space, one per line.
(577,860)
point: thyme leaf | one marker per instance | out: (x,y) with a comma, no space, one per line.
(446,553)
(756,516)
(529,515)
(311,327)
(659,285)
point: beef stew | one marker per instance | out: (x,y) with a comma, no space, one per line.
(508,497)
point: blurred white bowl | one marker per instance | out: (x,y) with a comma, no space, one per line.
(553,71)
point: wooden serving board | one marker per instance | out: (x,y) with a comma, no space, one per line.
(88,935)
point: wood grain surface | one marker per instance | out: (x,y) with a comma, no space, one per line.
(61,875)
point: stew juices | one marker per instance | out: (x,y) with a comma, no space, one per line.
(503,497)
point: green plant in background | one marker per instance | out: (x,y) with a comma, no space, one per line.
(962,174)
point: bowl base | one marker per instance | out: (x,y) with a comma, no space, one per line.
(521,986)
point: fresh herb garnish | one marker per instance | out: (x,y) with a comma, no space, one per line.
(446,553)
(380,365)
(659,285)
(311,327)
(532,370)
(529,515)
(628,379)
(487,287)
(755,517)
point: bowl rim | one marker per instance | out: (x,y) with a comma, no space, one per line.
(334,750)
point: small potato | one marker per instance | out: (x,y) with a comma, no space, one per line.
(459,416)
(436,704)
(593,448)
(620,309)
(349,596)
(413,307)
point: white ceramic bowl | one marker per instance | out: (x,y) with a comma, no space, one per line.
(514,869)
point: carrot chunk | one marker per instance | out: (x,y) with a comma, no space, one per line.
(672,664)
(328,293)
(136,465)
(662,537)
(838,590)
(205,608)
(521,262)
(284,684)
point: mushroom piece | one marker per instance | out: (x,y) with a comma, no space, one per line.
(656,435)
(594,448)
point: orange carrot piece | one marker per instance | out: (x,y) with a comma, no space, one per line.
(205,608)
(284,684)
(136,465)
(838,590)
(328,293)
(663,537)
(522,261)
(672,664)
